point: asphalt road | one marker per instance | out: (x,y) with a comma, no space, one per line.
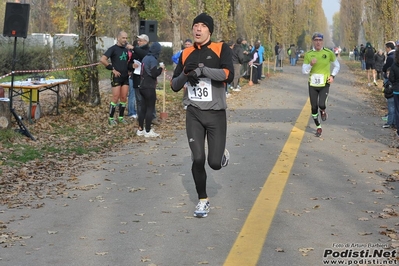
(286,198)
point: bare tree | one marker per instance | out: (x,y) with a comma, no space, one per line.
(87,78)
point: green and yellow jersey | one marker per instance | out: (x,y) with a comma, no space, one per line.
(320,71)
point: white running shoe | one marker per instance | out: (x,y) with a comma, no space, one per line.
(140,132)
(202,209)
(151,134)
(225,158)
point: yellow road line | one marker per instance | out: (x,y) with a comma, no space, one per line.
(249,243)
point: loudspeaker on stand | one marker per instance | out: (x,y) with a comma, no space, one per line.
(16,20)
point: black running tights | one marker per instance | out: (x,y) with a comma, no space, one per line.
(318,98)
(211,124)
(147,107)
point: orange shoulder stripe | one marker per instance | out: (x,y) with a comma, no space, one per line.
(186,52)
(216,47)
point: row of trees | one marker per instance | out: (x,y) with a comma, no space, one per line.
(271,21)
(285,21)
(363,21)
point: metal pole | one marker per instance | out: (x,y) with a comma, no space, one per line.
(21,125)
(14,56)
(164,90)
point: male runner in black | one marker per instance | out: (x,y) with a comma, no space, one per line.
(205,68)
(118,54)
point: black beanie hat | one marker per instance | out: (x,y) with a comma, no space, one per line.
(206,19)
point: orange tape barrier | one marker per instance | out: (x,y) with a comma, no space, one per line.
(48,70)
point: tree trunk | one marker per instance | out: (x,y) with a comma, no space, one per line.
(135,21)
(89,90)
(93,85)
(176,37)
(5,115)
(135,18)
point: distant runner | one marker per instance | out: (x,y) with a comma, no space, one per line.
(317,63)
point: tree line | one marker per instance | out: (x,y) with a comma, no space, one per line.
(285,21)
(363,21)
(270,21)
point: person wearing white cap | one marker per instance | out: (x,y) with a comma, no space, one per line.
(140,49)
(143,38)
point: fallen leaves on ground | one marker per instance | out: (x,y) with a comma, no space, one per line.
(305,251)
(69,141)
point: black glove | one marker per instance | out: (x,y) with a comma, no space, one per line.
(190,67)
(192,78)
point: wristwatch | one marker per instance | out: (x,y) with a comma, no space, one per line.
(201,66)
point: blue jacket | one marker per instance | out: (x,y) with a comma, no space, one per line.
(261,50)
(176,56)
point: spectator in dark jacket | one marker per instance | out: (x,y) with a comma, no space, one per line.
(238,59)
(254,63)
(356,53)
(390,49)
(149,73)
(247,57)
(394,79)
(369,54)
(361,57)
(388,94)
(276,47)
(379,59)
(140,49)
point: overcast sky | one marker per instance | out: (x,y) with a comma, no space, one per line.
(330,8)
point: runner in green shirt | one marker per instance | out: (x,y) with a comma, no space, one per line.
(317,63)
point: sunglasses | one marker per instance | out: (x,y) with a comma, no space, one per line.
(318,40)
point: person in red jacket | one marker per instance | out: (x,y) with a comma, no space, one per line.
(205,68)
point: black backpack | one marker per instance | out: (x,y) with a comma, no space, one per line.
(388,90)
(369,53)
